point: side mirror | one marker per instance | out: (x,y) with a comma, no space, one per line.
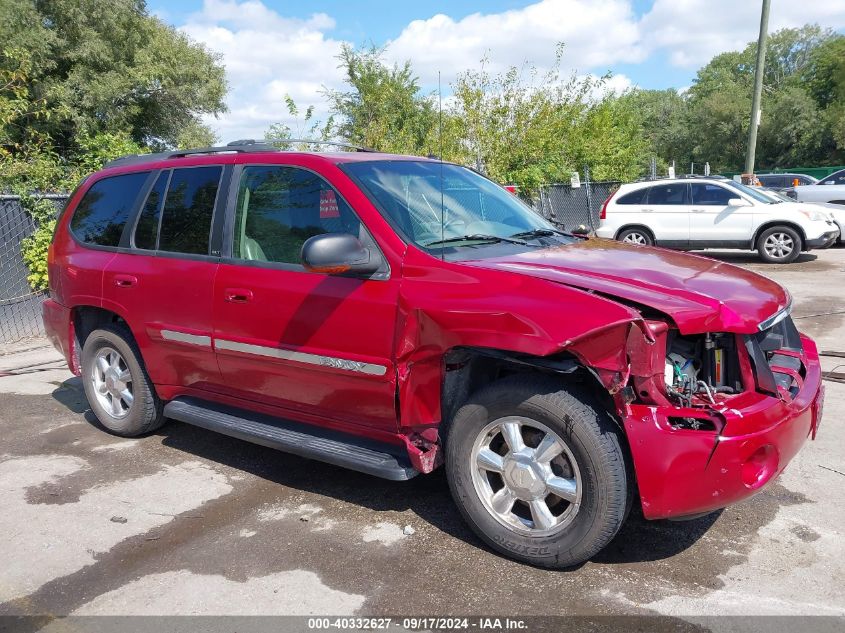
(338,253)
(738,202)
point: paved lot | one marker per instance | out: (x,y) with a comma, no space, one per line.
(188,522)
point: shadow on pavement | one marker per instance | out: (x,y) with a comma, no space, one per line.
(748,257)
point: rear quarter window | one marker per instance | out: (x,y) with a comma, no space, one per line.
(102,213)
(635,197)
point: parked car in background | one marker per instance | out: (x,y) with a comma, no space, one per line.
(835,212)
(782,182)
(829,189)
(391,314)
(693,213)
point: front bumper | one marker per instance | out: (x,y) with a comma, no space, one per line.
(827,239)
(682,472)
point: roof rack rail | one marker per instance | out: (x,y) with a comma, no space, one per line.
(306,141)
(711,177)
(134,159)
(245,146)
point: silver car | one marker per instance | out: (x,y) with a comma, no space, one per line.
(830,189)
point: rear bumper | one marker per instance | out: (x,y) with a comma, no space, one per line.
(684,472)
(58,326)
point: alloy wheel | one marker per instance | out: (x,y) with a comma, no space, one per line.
(112,382)
(635,238)
(526,476)
(779,245)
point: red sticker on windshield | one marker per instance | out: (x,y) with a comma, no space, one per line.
(328,205)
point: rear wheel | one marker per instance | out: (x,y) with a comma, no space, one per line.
(538,471)
(636,235)
(119,391)
(779,245)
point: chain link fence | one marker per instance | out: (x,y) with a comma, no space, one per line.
(20,306)
(573,207)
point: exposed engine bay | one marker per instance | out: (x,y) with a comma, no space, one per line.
(699,369)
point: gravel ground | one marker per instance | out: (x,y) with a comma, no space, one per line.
(188,522)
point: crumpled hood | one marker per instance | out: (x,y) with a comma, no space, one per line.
(698,293)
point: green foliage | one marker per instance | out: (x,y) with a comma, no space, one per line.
(85,81)
(110,66)
(383,107)
(519,127)
(803,115)
(34,251)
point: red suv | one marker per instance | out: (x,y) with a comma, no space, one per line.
(390,313)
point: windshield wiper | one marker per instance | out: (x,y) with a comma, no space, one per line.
(478,237)
(538,233)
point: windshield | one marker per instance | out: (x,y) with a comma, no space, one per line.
(468,211)
(751,192)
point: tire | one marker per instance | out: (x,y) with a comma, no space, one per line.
(779,245)
(636,235)
(125,373)
(594,457)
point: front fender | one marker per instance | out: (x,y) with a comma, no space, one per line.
(443,305)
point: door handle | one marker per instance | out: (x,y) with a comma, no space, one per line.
(238,295)
(648,210)
(125,281)
(699,211)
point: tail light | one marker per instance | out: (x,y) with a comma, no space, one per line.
(603,214)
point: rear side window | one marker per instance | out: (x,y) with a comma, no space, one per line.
(771,180)
(668,194)
(103,211)
(279,208)
(188,209)
(836,178)
(635,197)
(711,195)
(146,230)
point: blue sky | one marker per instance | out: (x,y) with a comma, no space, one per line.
(275,47)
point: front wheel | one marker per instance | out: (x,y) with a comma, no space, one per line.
(539,472)
(779,245)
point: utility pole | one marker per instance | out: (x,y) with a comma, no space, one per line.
(758,90)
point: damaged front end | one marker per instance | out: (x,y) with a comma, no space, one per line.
(713,417)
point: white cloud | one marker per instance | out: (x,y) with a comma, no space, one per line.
(268,55)
(596,33)
(691,32)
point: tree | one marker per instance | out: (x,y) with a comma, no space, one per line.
(803,120)
(824,76)
(663,118)
(85,81)
(529,128)
(110,66)
(383,107)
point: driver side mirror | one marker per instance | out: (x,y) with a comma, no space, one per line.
(738,202)
(338,253)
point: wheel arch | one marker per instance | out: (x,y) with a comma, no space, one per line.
(770,224)
(467,369)
(634,225)
(86,319)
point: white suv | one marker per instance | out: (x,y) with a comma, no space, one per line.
(693,213)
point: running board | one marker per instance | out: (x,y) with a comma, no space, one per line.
(306,441)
